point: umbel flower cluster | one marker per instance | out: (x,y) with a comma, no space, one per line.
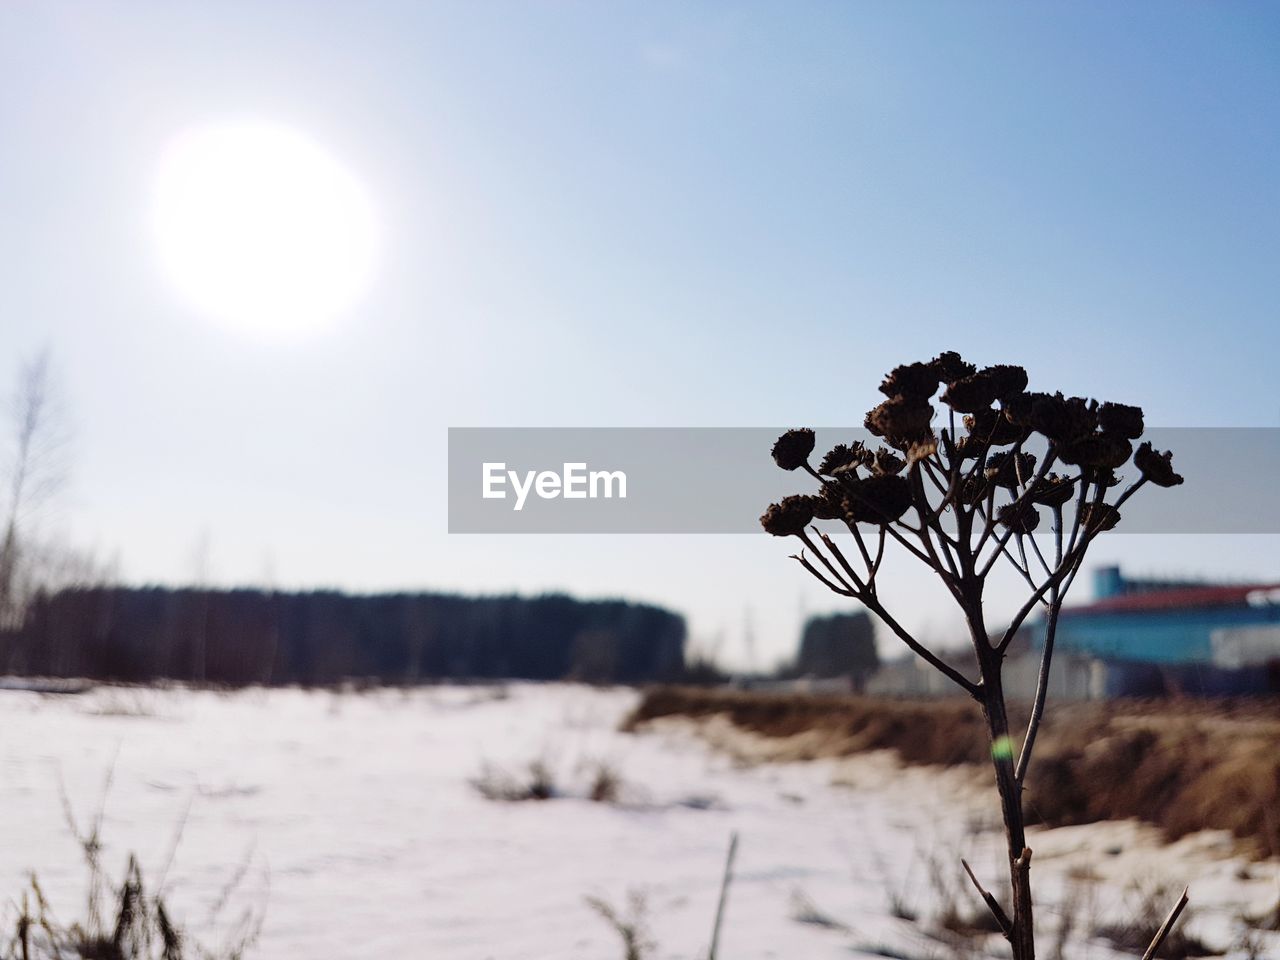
(969,465)
(874,486)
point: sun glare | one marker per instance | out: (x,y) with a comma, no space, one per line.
(262,229)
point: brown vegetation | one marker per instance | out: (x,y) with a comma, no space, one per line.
(138,926)
(1148,914)
(1180,765)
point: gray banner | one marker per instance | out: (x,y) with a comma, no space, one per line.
(720,479)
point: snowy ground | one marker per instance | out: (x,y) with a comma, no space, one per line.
(365,838)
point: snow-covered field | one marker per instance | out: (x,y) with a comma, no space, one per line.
(365,837)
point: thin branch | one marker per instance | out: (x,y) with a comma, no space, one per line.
(1081,497)
(921,503)
(835,574)
(926,654)
(914,550)
(839,555)
(1001,547)
(800,557)
(989,518)
(875,566)
(1167,926)
(724,894)
(1042,688)
(1035,546)
(938,484)
(997,911)
(1070,563)
(1025,567)
(1046,658)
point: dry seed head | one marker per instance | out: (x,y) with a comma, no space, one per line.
(1120,419)
(1157,467)
(789,517)
(792,449)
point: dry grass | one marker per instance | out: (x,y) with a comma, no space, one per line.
(631,925)
(131,921)
(1180,765)
(606,783)
(942,731)
(537,780)
(1150,904)
(138,927)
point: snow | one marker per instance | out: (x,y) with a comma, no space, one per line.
(364,835)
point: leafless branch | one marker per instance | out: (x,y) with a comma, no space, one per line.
(1167,927)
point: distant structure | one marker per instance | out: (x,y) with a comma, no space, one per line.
(837,654)
(838,646)
(1148,637)
(1137,637)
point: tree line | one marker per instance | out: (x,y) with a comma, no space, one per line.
(251,636)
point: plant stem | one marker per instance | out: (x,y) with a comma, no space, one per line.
(724,894)
(1022,933)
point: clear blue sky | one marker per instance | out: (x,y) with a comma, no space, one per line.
(632,214)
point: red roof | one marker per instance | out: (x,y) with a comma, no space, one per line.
(1179,598)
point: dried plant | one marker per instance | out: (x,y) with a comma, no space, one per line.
(127,922)
(631,927)
(536,783)
(804,910)
(140,927)
(958,499)
(1147,900)
(606,784)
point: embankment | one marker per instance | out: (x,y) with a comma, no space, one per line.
(1182,765)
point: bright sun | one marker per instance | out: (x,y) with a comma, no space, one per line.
(262,229)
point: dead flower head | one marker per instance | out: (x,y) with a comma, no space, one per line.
(1120,419)
(1009,470)
(842,455)
(1155,466)
(888,462)
(1053,490)
(901,421)
(1019,516)
(950,367)
(792,449)
(878,499)
(1060,419)
(980,390)
(918,380)
(1101,451)
(992,427)
(789,517)
(1097,517)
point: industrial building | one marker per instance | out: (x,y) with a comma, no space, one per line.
(1145,636)
(1136,637)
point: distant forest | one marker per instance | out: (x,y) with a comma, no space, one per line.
(241,637)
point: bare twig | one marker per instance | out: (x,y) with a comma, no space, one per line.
(928,655)
(1167,926)
(724,894)
(997,911)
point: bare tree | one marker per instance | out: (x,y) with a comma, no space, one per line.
(36,470)
(960,500)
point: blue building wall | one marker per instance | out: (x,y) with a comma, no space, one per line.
(1154,636)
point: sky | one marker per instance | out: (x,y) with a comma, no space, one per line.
(630,214)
